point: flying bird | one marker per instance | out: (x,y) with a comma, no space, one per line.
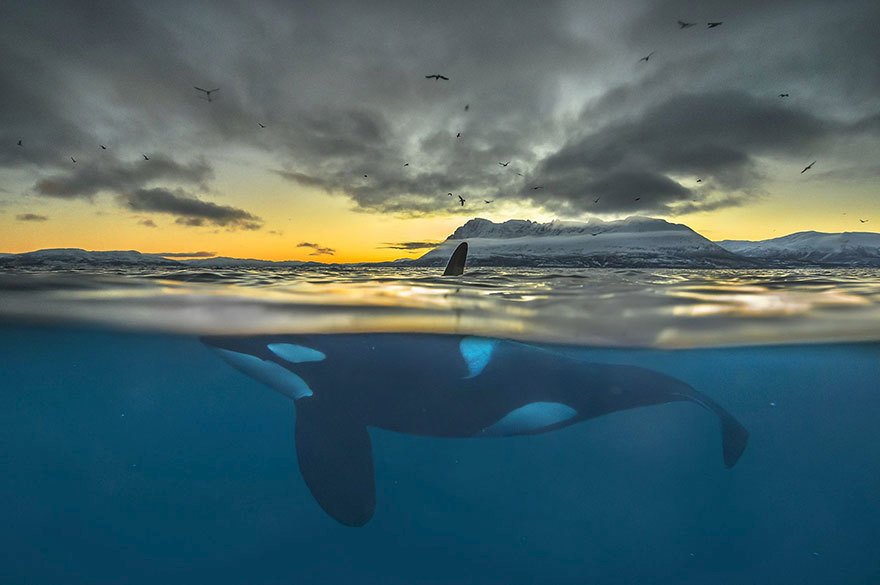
(458,135)
(537,187)
(450,194)
(699,180)
(783,95)
(467,107)
(207,92)
(864,220)
(102,147)
(19,143)
(73,159)
(596,200)
(504,164)
(808,167)
(637,198)
(683,24)
(406,164)
(365,176)
(648,56)
(461,200)
(521,175)
(487,201)
(146,157)
(437,77)
(713,24)
(261,125)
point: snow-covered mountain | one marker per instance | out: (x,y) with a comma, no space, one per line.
(631,242)
(78,258)
(812,249)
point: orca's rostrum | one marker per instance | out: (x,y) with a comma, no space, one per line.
(435,385)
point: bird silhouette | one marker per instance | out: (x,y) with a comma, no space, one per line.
(19,143)
(864,220)
(261,125)
(808,167)
(207,92)
(102,147)
(406,164)
(73,159)
(596,200)
(437,77)
(683,24)
(699,180)
(458,135)
(647,57)
(487,201)
(783,95)
(713,24)
(504,164)
(521,175)
(537,187)
(450,194)
(467,107)
(365,176)
(146,157)
(461,200)
(637,198)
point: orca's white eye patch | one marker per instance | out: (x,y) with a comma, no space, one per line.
(267,372)
(531,417)
(296,354)
(477,351)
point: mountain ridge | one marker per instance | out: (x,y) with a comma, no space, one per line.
(634,242)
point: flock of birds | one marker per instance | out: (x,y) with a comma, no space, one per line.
(207,95)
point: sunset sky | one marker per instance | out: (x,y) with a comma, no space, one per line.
(698,131)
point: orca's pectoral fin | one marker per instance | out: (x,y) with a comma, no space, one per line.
(336,462)
(734,436)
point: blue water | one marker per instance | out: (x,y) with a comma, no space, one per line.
(142,458)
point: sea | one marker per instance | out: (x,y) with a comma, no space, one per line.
(133,454)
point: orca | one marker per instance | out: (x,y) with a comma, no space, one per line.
(439,386)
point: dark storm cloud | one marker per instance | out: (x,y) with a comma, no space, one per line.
(340,88)
(189,210)
(85,179)
(318,250)
(411,245)
(31,217)
(715,137)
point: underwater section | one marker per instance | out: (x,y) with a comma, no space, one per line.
(147,458)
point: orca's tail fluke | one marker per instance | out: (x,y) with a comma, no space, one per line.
(455,267)
(734,436)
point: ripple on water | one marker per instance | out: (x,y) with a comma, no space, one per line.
(610,307)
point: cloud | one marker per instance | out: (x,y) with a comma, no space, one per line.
(542,80)
(148,223)
(411,245)
(84,180)
(189,210)
(318,249)
(185,254)
(716,137)
(31,217)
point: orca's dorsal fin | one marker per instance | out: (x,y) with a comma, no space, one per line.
(455,267)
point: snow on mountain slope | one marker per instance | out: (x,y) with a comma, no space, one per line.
(813,248)
(632,242)
(76,257)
